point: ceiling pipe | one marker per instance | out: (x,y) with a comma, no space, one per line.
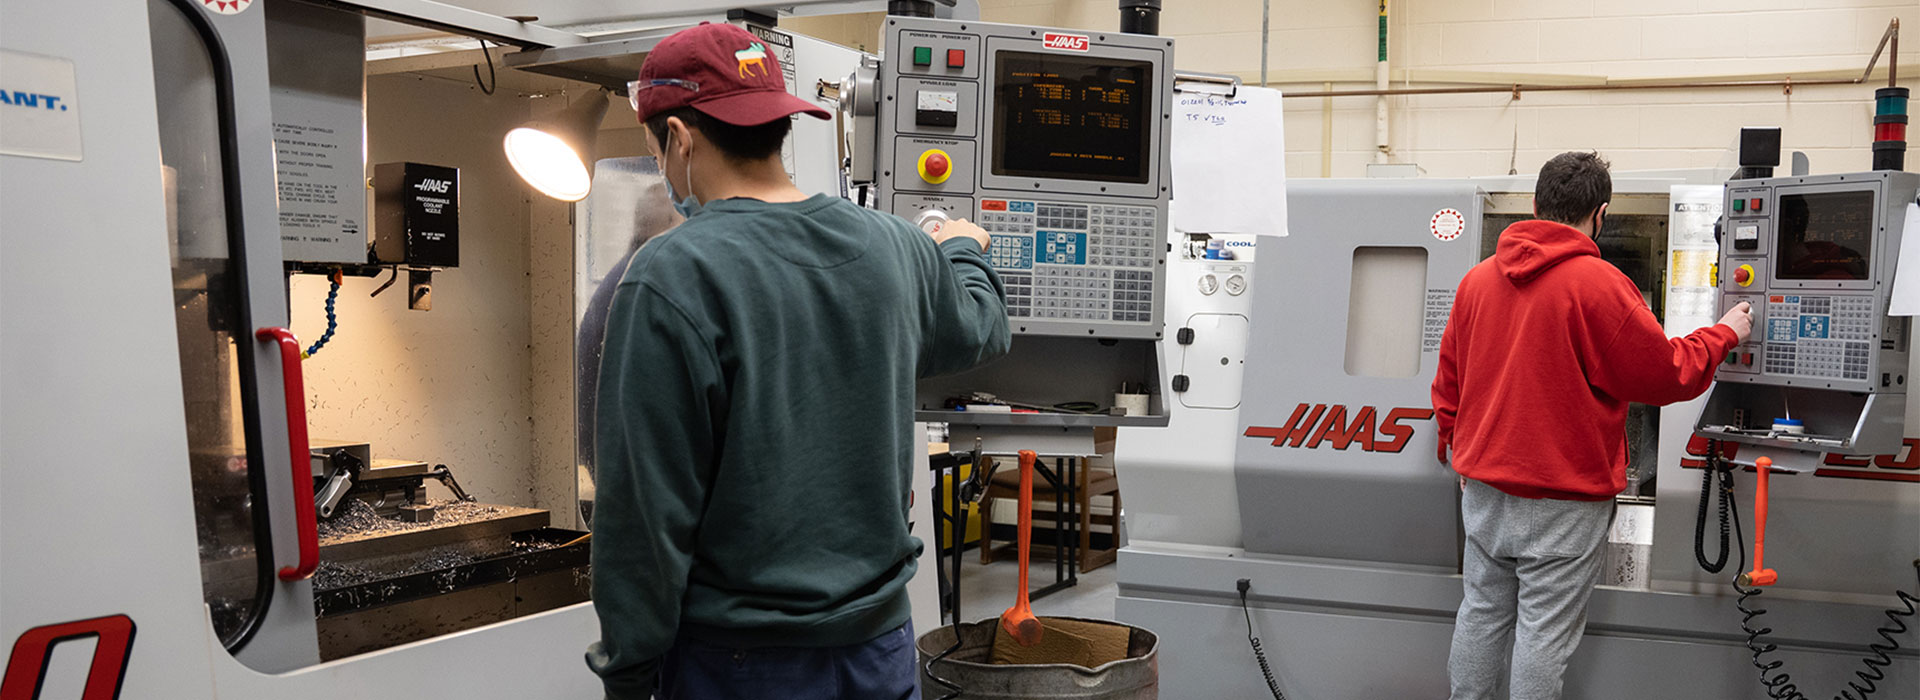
(1892,36)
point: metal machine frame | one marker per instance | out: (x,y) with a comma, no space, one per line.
(1317,593)
(125,557)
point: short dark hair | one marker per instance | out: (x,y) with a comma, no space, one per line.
(1571,187)
(738,143)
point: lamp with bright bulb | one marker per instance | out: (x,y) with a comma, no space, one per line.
(555,154)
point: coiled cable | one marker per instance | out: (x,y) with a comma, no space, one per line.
(1259,655)
(1716,465)
(1778,683)
(333,322)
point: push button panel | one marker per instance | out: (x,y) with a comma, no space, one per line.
(1074,262)
(939,55)
(933,165)
(1746,224)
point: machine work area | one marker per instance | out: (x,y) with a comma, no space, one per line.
(958,350)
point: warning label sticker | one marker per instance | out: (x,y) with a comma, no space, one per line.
(1434,325)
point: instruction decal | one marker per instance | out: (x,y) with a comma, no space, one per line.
(1447,224)
(1434,324)
(39,107)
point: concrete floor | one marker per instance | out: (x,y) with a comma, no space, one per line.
(986,590)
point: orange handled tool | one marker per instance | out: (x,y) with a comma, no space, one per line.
(1018,621)
(1760,575)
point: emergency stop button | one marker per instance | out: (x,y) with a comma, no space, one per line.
(935,166)
(1743,275)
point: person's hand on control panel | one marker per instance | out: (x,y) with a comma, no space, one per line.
(962,228)
(1740,319)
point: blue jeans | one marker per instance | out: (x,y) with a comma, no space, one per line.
(882,668)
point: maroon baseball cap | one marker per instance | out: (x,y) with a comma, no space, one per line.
(722,71)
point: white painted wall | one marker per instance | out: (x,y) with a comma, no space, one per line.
(1318,41)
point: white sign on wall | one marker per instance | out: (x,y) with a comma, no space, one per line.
(39,107)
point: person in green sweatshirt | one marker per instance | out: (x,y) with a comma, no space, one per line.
(755,405)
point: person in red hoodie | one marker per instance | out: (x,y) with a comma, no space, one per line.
(1545,347)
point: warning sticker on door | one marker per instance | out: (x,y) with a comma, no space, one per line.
(1434,327)
(1447,224)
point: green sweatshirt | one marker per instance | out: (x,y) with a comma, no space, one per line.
(755,426)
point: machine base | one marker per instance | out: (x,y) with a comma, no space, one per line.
(1356,630)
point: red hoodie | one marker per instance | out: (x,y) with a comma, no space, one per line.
(1546,345)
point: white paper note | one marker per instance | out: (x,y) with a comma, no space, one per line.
(1229,163)
(1906,276)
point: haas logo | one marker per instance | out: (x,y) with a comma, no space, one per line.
(1340,427)
(432,185)
(1066,42)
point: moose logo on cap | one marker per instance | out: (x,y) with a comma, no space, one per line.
(754,55)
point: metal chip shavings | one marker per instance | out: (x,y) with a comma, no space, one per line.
(331,575)
(360,520)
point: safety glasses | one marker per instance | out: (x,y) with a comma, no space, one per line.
(635,86)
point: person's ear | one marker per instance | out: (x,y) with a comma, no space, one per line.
(1599,215)
(682,137)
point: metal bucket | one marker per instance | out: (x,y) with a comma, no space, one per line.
(1136,677)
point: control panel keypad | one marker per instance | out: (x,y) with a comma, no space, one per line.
(1123,236)
(1818,336)
(1073,262)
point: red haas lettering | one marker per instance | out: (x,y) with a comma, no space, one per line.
(1065,42)
(1312,425)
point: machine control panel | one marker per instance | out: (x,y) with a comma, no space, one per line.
(1056,143)
(1815,258)
(1070,261)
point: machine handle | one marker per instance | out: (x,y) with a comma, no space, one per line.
(296,396)
(1760,575)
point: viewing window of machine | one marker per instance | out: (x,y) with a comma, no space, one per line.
(206,303)
(1388,292)
(629,205)
(1071,118)
(1825,235)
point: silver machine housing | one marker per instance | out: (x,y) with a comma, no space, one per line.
(1081,253)
(1824,350)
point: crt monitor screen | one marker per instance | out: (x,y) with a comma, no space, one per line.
(1825,236)
(1071,117)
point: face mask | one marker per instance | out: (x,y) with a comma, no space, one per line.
(688,205)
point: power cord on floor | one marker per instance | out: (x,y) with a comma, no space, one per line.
(1260,655)
(1779,683)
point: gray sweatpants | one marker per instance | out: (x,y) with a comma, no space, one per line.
(1530,566)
